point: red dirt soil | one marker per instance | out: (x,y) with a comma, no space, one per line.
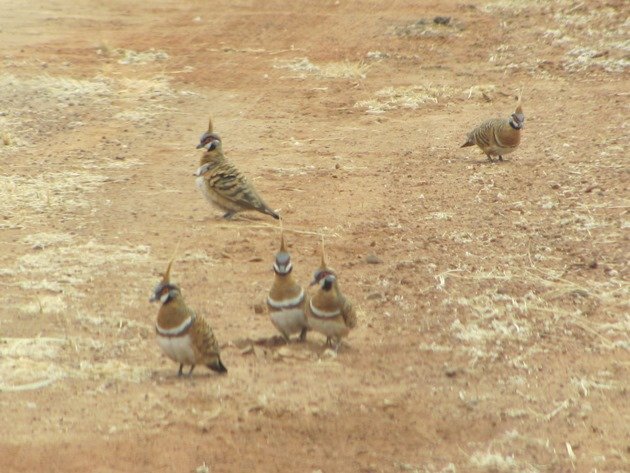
(493,298)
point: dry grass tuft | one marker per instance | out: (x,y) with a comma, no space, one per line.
(331,70)
(135,116)
(300,65)
(39,304)
(439,216)
(145,89)
(438,27)
(34,363)
(7,139)
(66,267)
(110,370)
(594,36)
(412,97)
(581,58)
(483,91)
(23,198)
(29,363)
(494,462)
(40,105)
(203,468)
(105,49)
(41,348)
(40,241)
(129,56)
(494,318)
(60,88)
(516,7)
(435,348)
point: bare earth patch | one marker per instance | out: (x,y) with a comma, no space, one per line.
(493,299)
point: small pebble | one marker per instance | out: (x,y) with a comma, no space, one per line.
(373,259)
(450,372)
(329,353)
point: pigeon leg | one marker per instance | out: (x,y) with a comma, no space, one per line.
(303,335)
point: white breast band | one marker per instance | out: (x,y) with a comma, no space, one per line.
(323,313)
(286,303)
(174,332)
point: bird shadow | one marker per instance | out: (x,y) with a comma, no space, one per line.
(494,162)
(171,376)
(270,345)
(267,342)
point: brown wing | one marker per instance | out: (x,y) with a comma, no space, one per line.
(204,341)
(348,312)
(230,184)
(483,135)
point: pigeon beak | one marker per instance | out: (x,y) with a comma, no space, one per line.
(200,145)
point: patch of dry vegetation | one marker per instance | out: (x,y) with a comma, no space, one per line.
(129,56)
(418,96)
(24,199)
(492,321)
(7,139)
(484,91)
(438,27)
(33,305)
(593,35)
(332,70)
(410,97)
(65,267)
(39,106)
(507,453)
(58,264)
(35,363)
(519,6)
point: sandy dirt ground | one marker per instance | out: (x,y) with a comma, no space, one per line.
(493,298)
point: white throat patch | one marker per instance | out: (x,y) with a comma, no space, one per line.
(287,269)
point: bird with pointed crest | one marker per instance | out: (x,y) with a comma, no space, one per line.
(498,136)
(328,311)
(206,137)
(286,300)
(222,184)
(182,335)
